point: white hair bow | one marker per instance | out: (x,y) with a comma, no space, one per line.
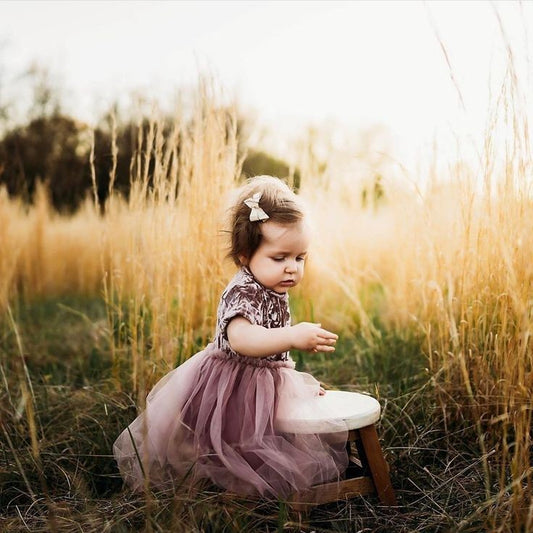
(256,213)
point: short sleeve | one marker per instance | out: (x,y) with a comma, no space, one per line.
(242,301)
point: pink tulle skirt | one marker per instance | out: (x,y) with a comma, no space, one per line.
(215,417)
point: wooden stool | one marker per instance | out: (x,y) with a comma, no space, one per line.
(367,474)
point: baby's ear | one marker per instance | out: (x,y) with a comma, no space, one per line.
(244,260)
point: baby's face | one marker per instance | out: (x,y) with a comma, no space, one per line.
(278,263)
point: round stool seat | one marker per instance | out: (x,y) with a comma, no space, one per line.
(341,409)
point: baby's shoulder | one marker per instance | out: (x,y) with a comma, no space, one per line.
(242,290)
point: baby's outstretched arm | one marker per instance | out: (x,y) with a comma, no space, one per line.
(257,341)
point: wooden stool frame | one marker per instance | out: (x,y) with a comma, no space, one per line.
(367,474)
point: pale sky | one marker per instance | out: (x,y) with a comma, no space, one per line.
(351,64)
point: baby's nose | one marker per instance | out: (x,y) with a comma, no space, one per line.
(291,266)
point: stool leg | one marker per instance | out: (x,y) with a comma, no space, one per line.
(377,464)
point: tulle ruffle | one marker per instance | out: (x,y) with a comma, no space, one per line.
(225,418)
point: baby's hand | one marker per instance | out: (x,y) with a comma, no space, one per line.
(312,338)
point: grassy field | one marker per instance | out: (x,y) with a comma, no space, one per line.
(72,484)
(430,292)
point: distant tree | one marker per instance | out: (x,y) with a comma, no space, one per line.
(258,163)
(56,150)
(106,163)
(5,102)
(52,149)
(46,96)
(51,146)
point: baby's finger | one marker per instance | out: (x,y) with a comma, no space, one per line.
(324,348)
(327,340)
(324,333)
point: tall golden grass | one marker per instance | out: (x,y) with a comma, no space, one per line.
(452,264)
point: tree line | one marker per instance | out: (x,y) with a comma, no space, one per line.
(52,146)
(58,150)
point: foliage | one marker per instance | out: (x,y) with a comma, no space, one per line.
(259,163)
(49,149)
(67,154)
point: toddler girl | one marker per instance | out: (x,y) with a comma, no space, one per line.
(224,413)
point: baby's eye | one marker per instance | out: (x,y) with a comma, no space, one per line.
(278,258)
(300,258)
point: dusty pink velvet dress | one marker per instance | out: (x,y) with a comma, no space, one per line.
(215,415)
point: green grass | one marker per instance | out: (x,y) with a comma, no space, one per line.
(72,484)
(64,341)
